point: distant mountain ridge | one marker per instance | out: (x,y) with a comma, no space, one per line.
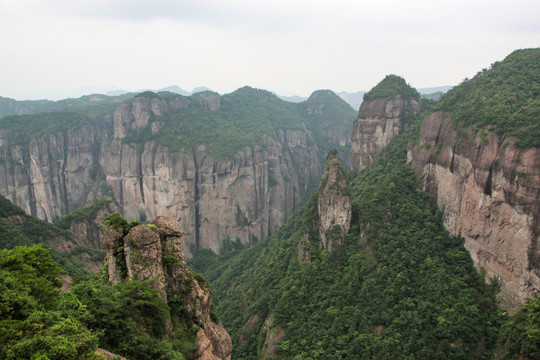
(89,94)
(249,154)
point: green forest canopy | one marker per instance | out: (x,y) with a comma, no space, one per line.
(390,86)
(400,287)
(243,115)
(504,98)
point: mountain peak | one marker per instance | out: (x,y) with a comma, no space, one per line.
(390,86)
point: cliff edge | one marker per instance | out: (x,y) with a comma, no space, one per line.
(489,192)
(155,251)
(387,110)
(478,156)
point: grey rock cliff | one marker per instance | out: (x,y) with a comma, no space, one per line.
(156,253)
(334,204)
(489,193)
(378,122)
(245,198)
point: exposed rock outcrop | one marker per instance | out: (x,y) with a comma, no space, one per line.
(489,193)
(379,120)
(88,232)
(334,204)
(156,252)
(273,335)
(245,198)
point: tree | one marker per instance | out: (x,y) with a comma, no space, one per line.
(36,320)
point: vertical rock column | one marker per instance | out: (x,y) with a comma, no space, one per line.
(113,240)
(334,203)
(143,252)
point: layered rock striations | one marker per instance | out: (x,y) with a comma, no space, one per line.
(379,120)
(243,198)
(155,252)
(388,109)
(51,175)
(334,204)
(489,192)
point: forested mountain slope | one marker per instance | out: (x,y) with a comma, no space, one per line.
(400,287)
(478,156)
(10,106)
(127,315)
(232,166)
(75,253)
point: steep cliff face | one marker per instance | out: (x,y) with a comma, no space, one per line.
(51,175)
(123,157)
(379,120)
(156,252)
(86,223)
(334,204)
(489,192)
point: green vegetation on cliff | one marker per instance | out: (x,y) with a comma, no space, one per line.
(131,319)
(95,103)
(19,229)
(243,115)
(520,337)
(399,288)
(390,86)
(87,213)
(32,125)
(36,320)
(505,98)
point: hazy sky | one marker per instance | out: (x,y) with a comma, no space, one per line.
(287,46)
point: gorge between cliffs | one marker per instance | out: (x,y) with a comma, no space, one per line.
(428,247)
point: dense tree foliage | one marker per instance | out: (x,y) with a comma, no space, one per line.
(131,318)
(87,213)
(243,115)
(505,98)
(520,337)
(400,287)
(19,229)
(390,86)
(36,320)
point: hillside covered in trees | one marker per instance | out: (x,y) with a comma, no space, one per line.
(395,284)
(400,286)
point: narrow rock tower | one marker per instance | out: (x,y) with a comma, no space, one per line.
(334,204)
(155,251)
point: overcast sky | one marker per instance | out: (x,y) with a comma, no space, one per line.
(292,47)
